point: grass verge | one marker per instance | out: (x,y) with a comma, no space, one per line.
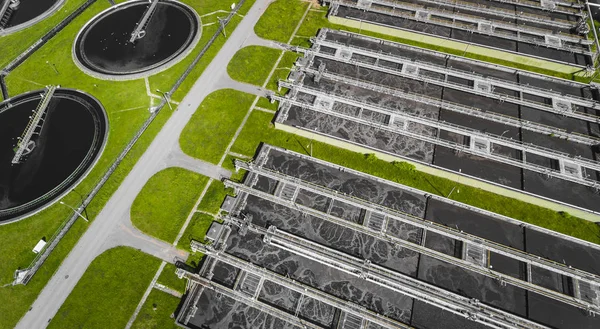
(282,71)
(247,65)
(214,123)
(164,203)
(196,230)
(156,312)
(259,129)
(126,104)
(108,292)
(280,19)
(212,200)
(170,279)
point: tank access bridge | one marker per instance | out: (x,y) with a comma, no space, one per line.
(25,144)
(7,7)
(140,28)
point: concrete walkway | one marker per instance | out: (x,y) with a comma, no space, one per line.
(111,226)
(176,158)
(125,234)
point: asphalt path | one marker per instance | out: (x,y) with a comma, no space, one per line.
(112,226)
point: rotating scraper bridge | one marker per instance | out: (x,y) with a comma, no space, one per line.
(25,144)
(140,28)
(378,222)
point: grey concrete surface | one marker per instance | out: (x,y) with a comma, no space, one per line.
(176,158)
(125,234)
(104,230)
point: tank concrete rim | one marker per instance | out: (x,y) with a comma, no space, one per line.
(162,66)
(34,20)
(84,174)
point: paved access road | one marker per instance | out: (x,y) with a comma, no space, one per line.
(112,226)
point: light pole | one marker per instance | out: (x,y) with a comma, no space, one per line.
(75,210)
(458,182)
(166,98)
(82,202)
(53,66)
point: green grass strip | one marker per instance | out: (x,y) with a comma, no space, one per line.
(259,129)
(196,230)
(248,64)
(156,312)
(282,71)
(170,279)
(214,196)
(214,123)
(165,201)
(108,292)
(280,19)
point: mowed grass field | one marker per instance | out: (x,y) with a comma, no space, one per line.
(126,104)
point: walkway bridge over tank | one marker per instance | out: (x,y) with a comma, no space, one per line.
(25,145)
(140,29)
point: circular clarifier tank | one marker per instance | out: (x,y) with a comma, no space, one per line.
(66,143)
(20,14)
(104,47)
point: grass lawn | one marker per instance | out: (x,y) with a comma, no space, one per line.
(283,70)
(108,292)
(266,104)
(212,200)
(165,201)
(248,64)
(317,19)
(197,229)
(259,128)
(15,43)
(170,279)
(156,312)
(214,123)
(280,19)
(126,104)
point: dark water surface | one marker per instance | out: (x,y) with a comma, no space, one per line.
(29,10)
(103,45)
(70,140)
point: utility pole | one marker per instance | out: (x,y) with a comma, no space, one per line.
(458,182)
(222,23)
(82,203)
(53,66)
(75,210)
(166,97)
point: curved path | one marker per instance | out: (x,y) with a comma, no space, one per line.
(112,226)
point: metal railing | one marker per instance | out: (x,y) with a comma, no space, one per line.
(33,123)
(454,24)
(140,28)
(459,108)
(321,40)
